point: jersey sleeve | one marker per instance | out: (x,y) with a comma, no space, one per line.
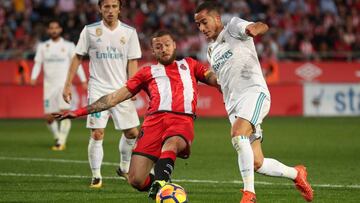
(39,55)
(82,46)
(137,82)
(39,59)
(200,69)
(134,50)
(237,27)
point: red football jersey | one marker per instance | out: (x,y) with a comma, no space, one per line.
(170,88)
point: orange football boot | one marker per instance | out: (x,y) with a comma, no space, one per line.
(302,184)
(248,197)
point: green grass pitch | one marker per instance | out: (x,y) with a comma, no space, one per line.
(329,147)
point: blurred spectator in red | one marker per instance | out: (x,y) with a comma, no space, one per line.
(22,74)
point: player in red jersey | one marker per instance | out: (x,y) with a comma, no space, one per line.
(168,128)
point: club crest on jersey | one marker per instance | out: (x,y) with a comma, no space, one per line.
(98,32)
(122,40)
(47,45)
(63,49)
(182,66)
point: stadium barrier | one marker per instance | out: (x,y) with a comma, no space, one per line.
(302,89)
(25,101)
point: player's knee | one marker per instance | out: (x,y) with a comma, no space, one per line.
(175,144)
(258,163)
(241,127)
(97,134)
(135,182)
(242,132)
(131,133)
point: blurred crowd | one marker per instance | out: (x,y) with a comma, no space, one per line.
(299,29)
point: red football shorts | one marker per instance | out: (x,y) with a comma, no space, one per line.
(157,128)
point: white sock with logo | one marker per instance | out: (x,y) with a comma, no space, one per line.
(125,148)
(96,155)
(245,160)
(272,167)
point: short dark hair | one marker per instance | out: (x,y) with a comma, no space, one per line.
(209,6)
(100,2)
(53,20)
(161,33)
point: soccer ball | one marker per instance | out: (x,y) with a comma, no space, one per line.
(171,193)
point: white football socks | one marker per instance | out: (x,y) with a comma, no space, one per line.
(96,155)
(54,129)
(272,167)
(125,148)
(245,160)
(65,126)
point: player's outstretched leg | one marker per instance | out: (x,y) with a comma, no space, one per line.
(163,169)
(274,168)
(96,154)
(298,174)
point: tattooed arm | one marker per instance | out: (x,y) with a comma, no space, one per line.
(105,102)
(110,100)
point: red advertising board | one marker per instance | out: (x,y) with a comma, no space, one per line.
(324,72)
(26,101)
(289,72)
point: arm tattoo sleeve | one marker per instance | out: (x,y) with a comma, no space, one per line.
(101,104)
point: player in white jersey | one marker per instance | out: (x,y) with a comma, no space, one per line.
(113,48)
(55,55)
(232,55)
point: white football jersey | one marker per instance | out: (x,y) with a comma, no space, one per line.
(55,56)
(109,52)
(233,58)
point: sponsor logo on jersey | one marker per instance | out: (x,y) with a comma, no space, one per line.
(219,62)
(98,32)
(122,40)
(98,40)
(110,53)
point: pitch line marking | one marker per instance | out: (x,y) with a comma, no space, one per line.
(53,160)
(115,177)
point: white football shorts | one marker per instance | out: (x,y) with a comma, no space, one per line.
(53,100)
(251,106)
(124,116)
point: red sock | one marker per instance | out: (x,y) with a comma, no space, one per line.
(168,154)
(147,183)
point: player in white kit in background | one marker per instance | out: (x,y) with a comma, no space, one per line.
(232,55)
(113,48)
(55,55)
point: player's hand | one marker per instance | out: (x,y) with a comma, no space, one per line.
(256,29)
(32,82)
(251,31)
(67,94)
(64,115)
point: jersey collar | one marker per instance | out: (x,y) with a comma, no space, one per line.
(106,28)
